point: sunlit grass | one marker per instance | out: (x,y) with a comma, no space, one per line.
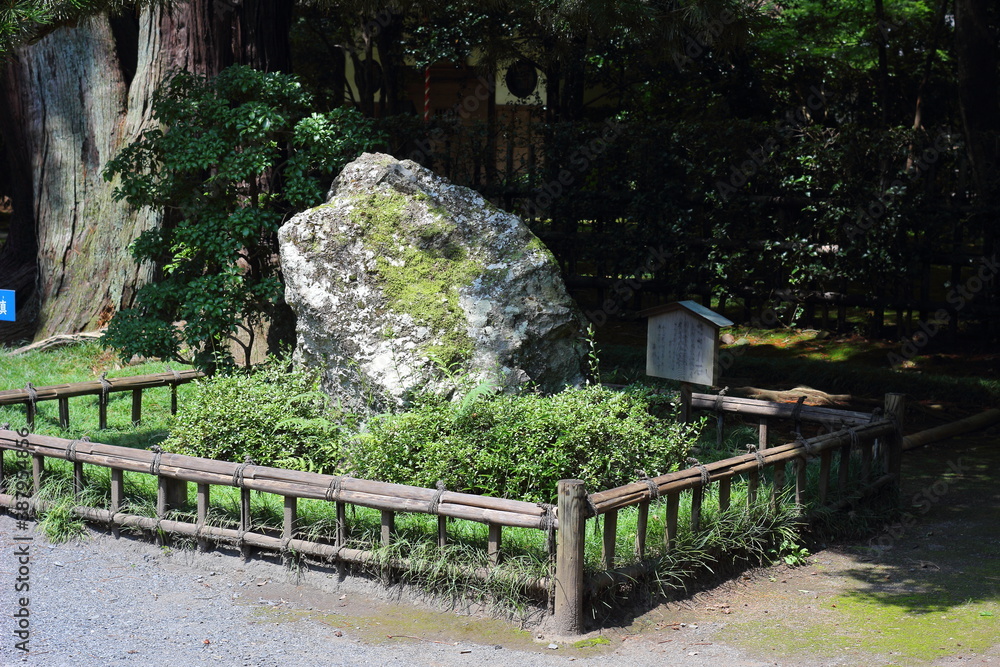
(85,363)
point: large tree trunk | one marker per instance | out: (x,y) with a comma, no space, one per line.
(64,115)
(68,103)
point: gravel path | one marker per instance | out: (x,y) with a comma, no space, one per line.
(102,601)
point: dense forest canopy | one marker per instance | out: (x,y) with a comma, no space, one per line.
(801,153)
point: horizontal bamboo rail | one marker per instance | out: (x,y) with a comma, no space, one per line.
(830,418)
(235,537)
(289,483)
(759,408)
(31,395)
(950,430)
(630,494)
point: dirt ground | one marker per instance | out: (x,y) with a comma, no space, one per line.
(923,591)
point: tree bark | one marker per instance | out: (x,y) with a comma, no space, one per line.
(65,113)
(68,103)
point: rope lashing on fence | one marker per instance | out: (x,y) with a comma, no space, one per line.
(333,491)
(105,387)
(32,395)
(177,376)
(71,448)
(547,521)
(154,467)
(432,507)
(718,399)
(238,473)
(654,488)
(705,475)
(761,461)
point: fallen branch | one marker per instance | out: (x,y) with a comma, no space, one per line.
(60,340)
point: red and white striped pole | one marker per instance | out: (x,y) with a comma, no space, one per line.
(427,93)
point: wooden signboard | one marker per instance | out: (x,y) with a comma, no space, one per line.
(683,342)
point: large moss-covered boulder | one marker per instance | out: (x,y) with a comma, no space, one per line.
(404,282)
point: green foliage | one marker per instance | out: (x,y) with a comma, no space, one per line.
(232,158)
(520,446)
(275,416)
(792,553)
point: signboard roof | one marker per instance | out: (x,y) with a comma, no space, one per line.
(695,308)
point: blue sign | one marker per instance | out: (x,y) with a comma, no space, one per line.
(7,305)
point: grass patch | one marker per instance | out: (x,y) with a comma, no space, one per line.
(85,363)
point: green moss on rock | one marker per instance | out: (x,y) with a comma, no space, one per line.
(420,272)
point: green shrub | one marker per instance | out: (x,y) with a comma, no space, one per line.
(275,415)
(514,446)
(520,446)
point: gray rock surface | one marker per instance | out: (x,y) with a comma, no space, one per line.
(403,281)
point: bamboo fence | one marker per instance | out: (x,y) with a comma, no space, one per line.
(31,395)
(564,524)
(829,419)
(576,506)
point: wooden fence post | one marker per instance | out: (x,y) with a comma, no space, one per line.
(204,502)
(572,512)
(895,406)
(136,407)
(685,402)
(63,412)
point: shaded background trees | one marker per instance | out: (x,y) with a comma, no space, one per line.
(831,156)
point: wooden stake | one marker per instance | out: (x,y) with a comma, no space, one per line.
(568,617)
(37,470)
(63,413)
(762,434)
(102,410)
(388,527)
(78,480)
(442,531)
(895,405)
(641,527)
(136,407)
(117,496)
(725,493)
(494,540)
(800,483)
(670,534)
(610,537)
(778,485)
(697,495)
(686,389)
(245,521)
(204,499)
(289,519)
(341,536)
